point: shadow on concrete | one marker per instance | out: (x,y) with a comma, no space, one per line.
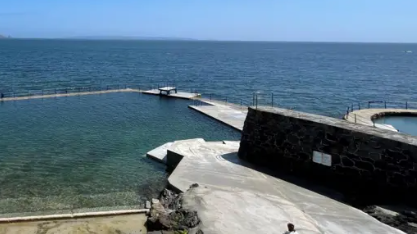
(293,179)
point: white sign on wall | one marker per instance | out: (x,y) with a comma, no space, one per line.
(322,158)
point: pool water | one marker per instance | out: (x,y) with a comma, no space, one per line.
(404,124)
(88,152)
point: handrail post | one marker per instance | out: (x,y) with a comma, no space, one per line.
(359,105)
(355,118)
(253,99)
(406,105)
(385,104)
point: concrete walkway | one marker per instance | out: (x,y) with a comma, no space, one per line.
(237,197)
(227,113)
(365,116)
(123,224)
(183,95)
(68,94)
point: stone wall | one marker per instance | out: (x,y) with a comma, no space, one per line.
(364,159)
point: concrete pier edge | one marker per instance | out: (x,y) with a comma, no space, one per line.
(72,215)
(212,117)
(181,95)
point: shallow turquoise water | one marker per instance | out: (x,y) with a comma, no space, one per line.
(88,151)
(404,124)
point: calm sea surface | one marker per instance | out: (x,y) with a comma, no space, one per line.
(316,77)
(83,152)
(70,153)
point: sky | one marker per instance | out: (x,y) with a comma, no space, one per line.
(243,20)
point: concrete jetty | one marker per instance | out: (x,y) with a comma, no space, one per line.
(69,94)
(366,116)
(227,113)
(178,94)
(236,197)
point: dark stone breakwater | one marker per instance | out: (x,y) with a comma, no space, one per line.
(372,163)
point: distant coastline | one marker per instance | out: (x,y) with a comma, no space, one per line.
(4,37)
(127,38)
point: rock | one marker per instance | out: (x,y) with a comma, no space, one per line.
(404,220)
(167,215)
(170,200)
(147,205)
(168,232)
(194,186)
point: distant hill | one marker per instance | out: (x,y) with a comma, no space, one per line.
(4,37)
(130,38)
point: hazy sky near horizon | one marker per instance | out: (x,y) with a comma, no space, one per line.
(262,20)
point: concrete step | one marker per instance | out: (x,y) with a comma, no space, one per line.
(160,154)
(179,149)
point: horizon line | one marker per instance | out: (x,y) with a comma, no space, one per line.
(133,38)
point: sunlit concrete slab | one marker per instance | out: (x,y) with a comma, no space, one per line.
(225,114)
(159,154)
(236,197)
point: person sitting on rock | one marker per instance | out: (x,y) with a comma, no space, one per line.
(291,229)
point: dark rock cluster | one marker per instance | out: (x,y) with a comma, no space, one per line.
(168,216)
(404,220)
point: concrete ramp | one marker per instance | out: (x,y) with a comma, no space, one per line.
(237,197)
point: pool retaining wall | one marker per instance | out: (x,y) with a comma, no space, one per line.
(348,156)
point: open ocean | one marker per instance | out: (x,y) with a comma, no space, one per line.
(87,152)
(320,78)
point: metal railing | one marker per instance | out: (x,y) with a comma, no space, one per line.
(206,98)
(77,89)
(381,105)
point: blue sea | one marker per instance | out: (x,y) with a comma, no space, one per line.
(319,78)
(88,152)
